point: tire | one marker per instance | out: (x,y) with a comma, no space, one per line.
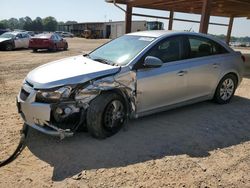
(9,47)
(65,47)
(226,89)
(101,114)
(54,48)
(34,50)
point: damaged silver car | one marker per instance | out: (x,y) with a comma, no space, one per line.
(132,76)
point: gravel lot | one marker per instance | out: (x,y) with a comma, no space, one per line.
(201,145)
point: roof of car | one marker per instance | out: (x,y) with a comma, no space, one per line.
(161,33)
(15,32)
(154,33)
(165,33)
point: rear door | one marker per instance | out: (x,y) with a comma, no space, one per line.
(60,41)
(204,58)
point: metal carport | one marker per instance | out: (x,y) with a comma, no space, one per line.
(225,8)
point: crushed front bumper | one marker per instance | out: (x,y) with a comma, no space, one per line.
(37,115)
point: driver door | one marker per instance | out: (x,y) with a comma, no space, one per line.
(166,85)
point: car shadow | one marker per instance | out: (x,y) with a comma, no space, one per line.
(193,130)
(47,51)
(15,50)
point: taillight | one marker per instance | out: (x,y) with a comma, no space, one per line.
(243,58)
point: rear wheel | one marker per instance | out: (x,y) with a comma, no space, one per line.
(54,48)
(106,115)
(226,89)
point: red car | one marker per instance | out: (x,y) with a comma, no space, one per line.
(50,41)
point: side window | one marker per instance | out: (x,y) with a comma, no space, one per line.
(24,35)
(200,47)
(58,37)
(19,36)
(53,37)
(167,50)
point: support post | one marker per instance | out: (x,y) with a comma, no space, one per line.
(205,16)
(128,18)
(171,19)
(229,31)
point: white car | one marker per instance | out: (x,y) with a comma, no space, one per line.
(67,34)
(14,40)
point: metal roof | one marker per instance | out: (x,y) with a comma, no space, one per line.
(227,8)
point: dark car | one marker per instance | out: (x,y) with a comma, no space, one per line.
(3,31)
(50,41)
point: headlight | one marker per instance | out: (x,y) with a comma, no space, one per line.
(52,96)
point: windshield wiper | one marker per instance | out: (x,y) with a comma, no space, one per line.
(104,61)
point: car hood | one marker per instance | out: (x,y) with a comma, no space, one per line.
(68,71)
(4,39)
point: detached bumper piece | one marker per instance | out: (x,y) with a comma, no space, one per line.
(53,131)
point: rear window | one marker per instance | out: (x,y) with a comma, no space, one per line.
(200,47)
(43,36)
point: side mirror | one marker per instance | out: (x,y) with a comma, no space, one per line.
(152,62)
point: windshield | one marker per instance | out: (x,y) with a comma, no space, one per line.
(7,35)
(121,50)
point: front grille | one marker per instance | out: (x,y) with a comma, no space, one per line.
(24,94)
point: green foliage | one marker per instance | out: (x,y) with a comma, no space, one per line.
(49,23)
(4,24)
(26,23)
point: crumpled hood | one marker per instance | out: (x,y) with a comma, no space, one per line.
(68,71)
(4,39)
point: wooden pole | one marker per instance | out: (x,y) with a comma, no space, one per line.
(229,31)
(128,18)
(171,19)
(205,16)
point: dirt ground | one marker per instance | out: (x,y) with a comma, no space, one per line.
(201,145)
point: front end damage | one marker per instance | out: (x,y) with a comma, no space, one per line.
(63,117)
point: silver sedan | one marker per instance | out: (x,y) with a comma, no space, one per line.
(132,76)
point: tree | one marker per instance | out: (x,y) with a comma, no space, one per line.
(21,22)
(13,23)
(71,22)
(27,24)
(49,23)
(37,24)
(4,24)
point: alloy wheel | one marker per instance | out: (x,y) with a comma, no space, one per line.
(114,115)
(227,89)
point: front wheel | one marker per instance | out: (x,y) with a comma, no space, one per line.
(226,89)
(9,47)
(106,115)
(65,47)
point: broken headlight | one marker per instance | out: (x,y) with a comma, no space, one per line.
(53,96)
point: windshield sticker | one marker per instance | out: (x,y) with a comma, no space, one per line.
(148,39)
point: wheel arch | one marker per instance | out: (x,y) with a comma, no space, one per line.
(232,73)
(123,93)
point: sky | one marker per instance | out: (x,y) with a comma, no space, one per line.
(99,11)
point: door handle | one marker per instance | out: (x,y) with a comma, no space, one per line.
(181,73)
(216,65)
